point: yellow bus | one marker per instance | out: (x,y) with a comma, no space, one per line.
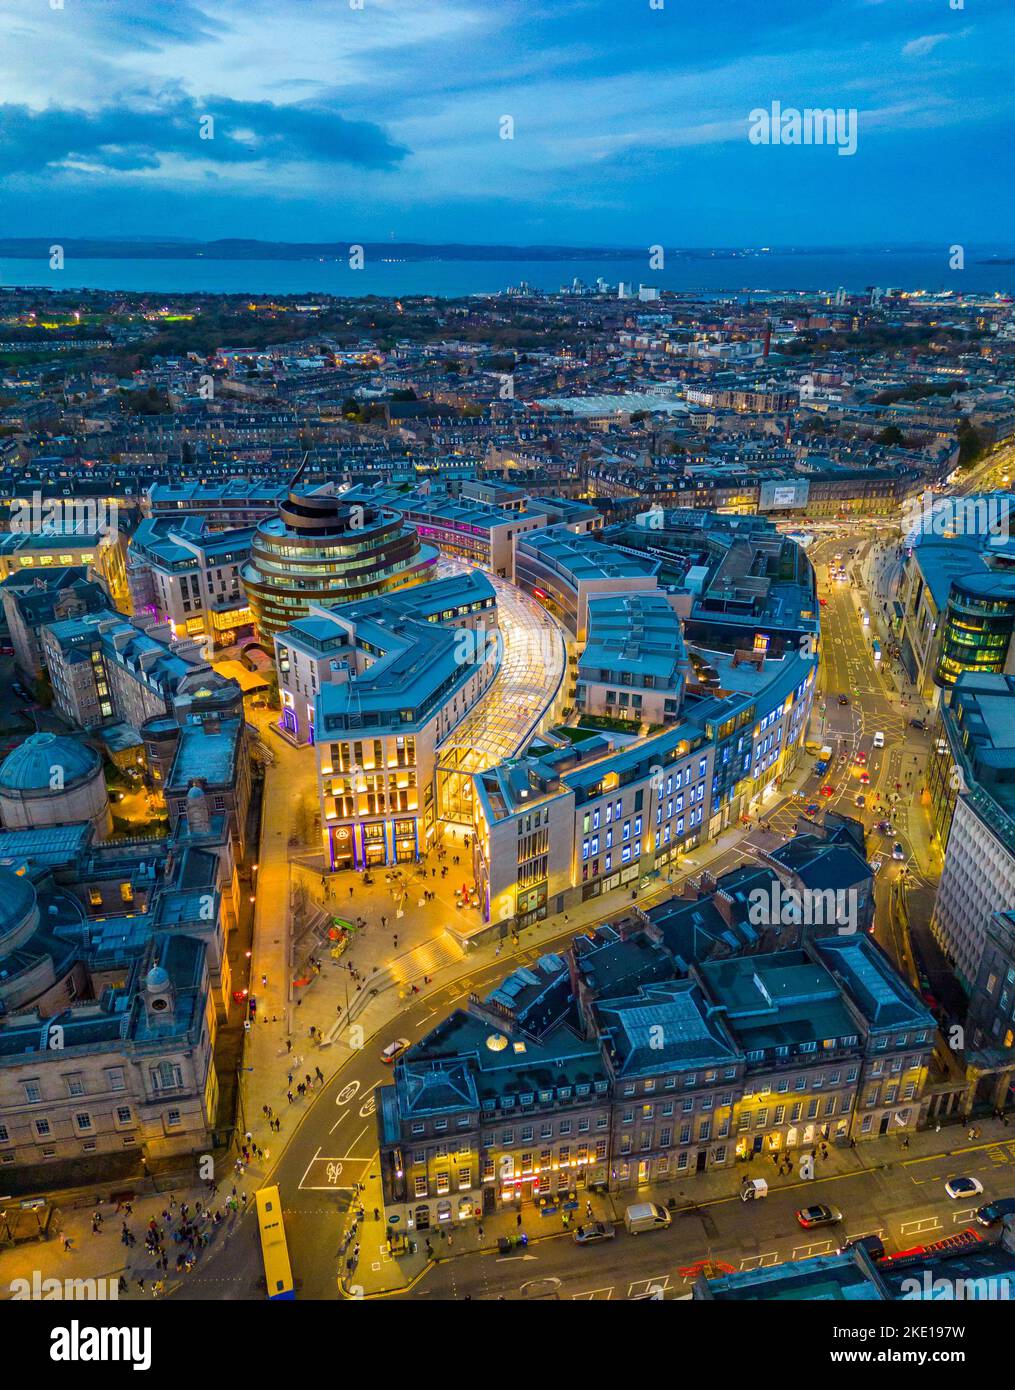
(274,1251)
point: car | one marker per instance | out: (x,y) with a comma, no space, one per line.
(995,1211)
(593,1231)
(394,1050)
(865,778)
(879,740)
(843,699)
(819,1215)
(874,1246)
(897,851)
(860,800)
(823,602)
(861,757)
(252,1005)
(6,650)
(918,724)
(884,826)
(811,809)
(963,1187)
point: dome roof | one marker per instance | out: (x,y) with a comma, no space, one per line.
(30,766)
(157,978)
(17,899)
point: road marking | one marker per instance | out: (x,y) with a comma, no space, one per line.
(347,1093)
(926,1223)
(965,1215)
(759,1261)
(804,1252)
(308,1167)
(601,1294)
(647,1285)
(339,1174)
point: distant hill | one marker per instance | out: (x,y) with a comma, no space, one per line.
(240,249)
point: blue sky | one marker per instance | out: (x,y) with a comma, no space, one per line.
(630,122)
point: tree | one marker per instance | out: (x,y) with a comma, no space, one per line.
(891,434)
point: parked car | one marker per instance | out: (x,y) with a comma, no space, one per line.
(918,724)
(819,1215)
(394,1050)
(593,1231)
(996,1211)
(963,1187)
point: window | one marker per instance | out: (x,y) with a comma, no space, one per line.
(83,1120)
(75,1084)
(167,1076)
(123,1114)
(42,1128)
(33,1092)
(172,1119)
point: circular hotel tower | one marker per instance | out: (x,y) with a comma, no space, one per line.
(323,550)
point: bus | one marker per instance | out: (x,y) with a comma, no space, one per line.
(274,1251)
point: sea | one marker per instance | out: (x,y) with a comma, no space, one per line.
(719,276)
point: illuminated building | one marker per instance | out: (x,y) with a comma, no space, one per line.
(380,686)
(647,1067)
(182,573)
(322,550)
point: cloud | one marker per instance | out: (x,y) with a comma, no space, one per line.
(140,133)
(926,43)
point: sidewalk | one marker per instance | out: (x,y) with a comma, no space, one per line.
(78,1252)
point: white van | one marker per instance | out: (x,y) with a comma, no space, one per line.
(646,1216)
(879,740)
(753,1189)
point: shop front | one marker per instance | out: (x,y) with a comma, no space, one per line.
(341,847)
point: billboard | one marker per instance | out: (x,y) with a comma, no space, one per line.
(775,495)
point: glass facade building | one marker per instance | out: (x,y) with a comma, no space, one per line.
(321,550)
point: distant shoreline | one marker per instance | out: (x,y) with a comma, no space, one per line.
(97,248)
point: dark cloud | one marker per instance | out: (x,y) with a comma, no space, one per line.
(138,134)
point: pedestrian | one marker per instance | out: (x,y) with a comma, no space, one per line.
(290,1095)
(518,1219)
(320,1074)
(68,1242)
(288,1044)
